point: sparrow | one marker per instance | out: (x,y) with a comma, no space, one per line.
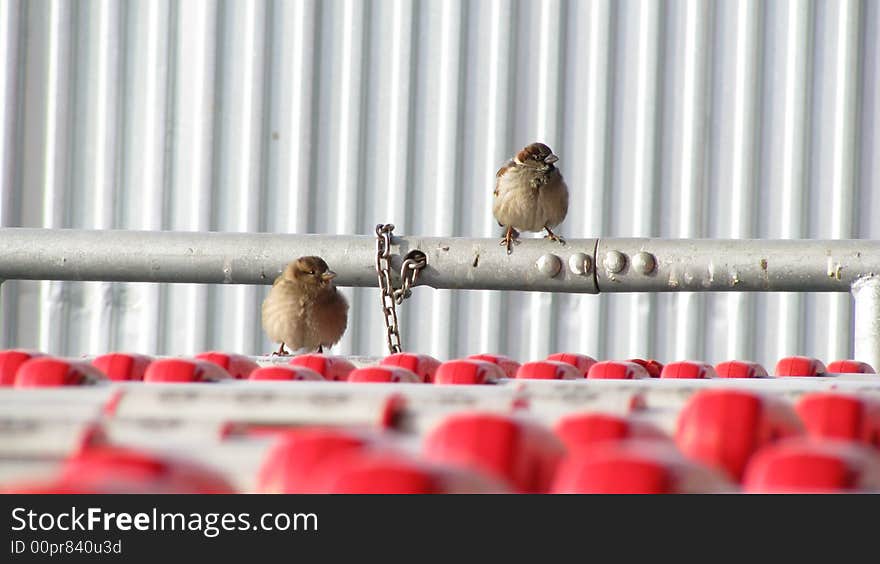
(304,309)
(530,194)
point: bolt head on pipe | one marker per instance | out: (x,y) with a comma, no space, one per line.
(549,265)
(580,263)
(644,262)
(615,261)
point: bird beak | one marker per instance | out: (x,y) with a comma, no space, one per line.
(551,158)
(328,276)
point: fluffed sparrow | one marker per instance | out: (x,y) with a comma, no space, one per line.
(304,308)
(530,194)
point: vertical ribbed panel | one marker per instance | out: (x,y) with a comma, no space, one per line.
(348,92)
(589,159)
(145,162)
(442,160)
(675,118)
(644,181)
(239,142)
(193,112)
(10,110)
(792,171)
(102,165)
(489,77)
(549,98)
(746,141)
(11,76)
(846,78)
(58,146)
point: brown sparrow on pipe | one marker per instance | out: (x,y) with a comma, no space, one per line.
(304,309)
(530,194)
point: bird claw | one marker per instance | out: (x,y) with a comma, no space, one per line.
(554,237)
(510,237)
(508,241)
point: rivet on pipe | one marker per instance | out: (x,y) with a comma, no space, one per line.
(580,263)
(644,262)
(615,261)
(549,265)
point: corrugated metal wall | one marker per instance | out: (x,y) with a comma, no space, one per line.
(672,119)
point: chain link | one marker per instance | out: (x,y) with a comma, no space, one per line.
(414,262)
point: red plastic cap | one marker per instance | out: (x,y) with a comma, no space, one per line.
(284,372)
(333,368)
(123,469)
(46,371)
(850,367)
(507,364)
(799,466)
(523,455)
(634,467)
(123,366)
(653,367)
(548,370)
(425,366)
(834,415)
(585,430)
(10,361)
(688,369)
(723,428)
(56,486)
(617,370)
(740,369)
(383,374)
(184,370)
(615,475)
(386,475)
(799,366)
(580,361)
(294,463)
(370,472)
(238,366)
(467,371)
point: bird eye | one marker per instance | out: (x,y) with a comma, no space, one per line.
(312,272)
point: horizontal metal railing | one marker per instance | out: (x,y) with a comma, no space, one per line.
(581,265)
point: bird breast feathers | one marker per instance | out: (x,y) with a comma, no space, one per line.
(512,177)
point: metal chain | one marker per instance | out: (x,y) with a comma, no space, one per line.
(386,290)
(414,262)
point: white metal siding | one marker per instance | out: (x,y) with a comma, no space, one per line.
(677,118)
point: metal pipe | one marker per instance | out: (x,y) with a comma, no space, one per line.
(866,298)
(733,265)
(621,265)
(257,258)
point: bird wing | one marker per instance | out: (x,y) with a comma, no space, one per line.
(500,172)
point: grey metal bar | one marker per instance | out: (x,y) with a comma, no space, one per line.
(734,265)
(623,265)
(866,297)
(257,258)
